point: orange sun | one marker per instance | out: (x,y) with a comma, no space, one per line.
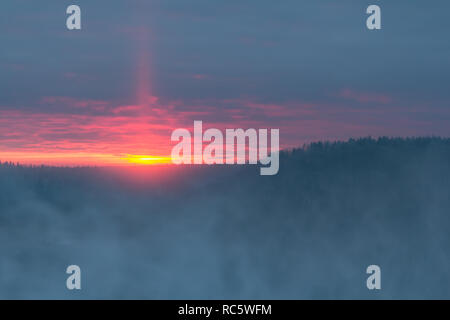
(146,159)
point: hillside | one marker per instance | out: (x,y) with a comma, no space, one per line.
(227,232)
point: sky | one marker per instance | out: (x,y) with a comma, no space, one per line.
(116,89)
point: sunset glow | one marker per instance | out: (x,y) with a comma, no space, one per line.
(80,159)
(147,160)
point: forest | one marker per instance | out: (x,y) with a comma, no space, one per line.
(218,232)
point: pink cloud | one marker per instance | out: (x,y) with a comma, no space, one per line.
(200,76)
(146,128)
(68,102)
